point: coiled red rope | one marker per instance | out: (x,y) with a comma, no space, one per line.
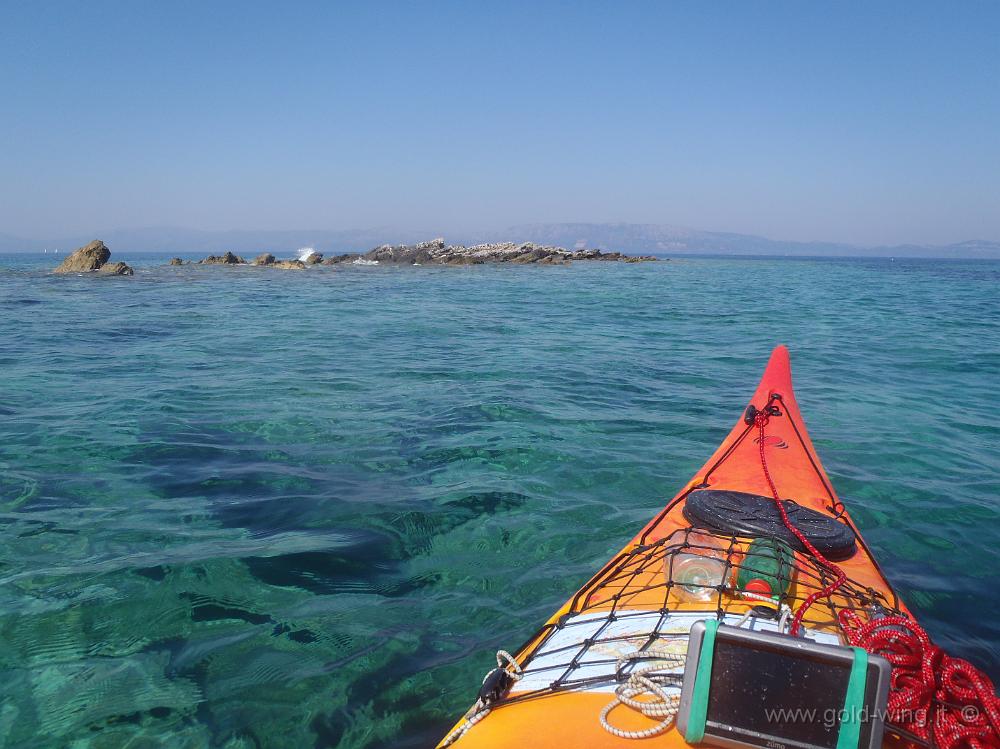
(933,696)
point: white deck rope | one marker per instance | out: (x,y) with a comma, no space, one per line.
(650,680)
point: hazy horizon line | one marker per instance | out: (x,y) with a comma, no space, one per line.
(417,234)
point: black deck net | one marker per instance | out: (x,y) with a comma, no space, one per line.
(648,597)
(634,617)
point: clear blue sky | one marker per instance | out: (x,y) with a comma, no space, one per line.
(866,122)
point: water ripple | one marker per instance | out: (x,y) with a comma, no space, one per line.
(249,509)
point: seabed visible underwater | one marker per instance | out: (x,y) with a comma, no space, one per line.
(251,508)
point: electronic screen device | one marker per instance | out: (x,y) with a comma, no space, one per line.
(745,688)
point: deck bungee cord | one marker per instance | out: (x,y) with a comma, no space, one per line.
(729,550)
(760,419)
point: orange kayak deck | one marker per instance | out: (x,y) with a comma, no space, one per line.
(570,664)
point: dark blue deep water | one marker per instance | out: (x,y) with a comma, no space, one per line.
(242,507)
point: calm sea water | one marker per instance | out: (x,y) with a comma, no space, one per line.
(249,508)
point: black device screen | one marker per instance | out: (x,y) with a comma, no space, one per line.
(798,697)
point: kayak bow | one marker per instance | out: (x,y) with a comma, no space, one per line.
(557,688)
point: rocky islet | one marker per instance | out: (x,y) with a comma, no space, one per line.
(438,252)
(95,257)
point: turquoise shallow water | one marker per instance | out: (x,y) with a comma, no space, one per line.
(249,508)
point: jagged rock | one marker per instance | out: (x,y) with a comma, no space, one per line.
(176,261)
(464,260)
(596,255)
(116,269)
(389,254)
(311,258)
(227,259)
(345,258)
(434,244)
(264,259)
(289,265)
(402,254)
(93,257)
(531,256)
(87,258)
(525,252)
(437,252)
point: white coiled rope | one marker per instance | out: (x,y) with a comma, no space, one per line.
(649,680)
(480,710)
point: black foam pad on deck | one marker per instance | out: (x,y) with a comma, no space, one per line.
(743,514)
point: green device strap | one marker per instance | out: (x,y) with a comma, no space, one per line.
(702,681)
(854,702)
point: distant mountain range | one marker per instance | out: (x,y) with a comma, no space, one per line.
(657,239)
(672,240)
